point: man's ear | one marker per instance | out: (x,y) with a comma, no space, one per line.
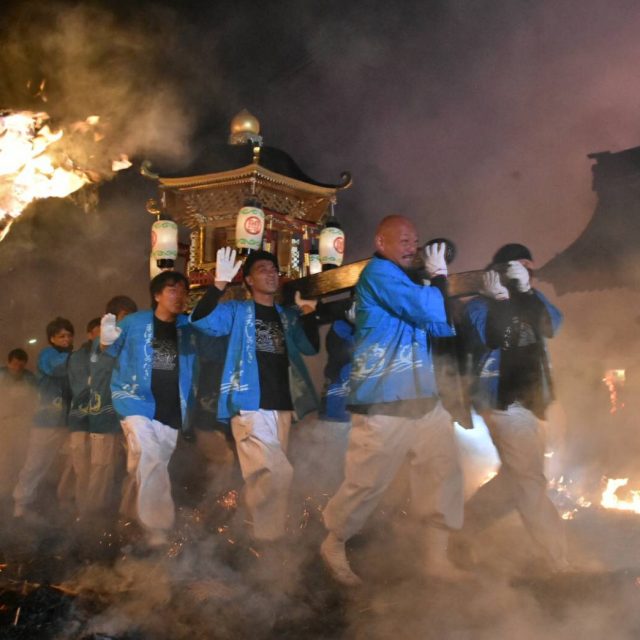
(379,242)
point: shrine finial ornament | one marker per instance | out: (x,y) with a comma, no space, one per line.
(245,127)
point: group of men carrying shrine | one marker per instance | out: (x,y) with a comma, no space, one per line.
(381,383)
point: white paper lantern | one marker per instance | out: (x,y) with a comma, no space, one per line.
(331,246)
(250,226)
(164,240)
(315,266)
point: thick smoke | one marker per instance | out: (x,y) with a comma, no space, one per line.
(475,121)
(472,119)
(74,61)
(92,62)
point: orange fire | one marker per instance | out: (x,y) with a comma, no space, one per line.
(36,164)
(611,501)
(613,379)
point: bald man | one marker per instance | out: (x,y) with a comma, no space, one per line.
(396,412)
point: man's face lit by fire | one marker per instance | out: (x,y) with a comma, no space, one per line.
(63,339)
(172,300)
(398,242)
(263,278)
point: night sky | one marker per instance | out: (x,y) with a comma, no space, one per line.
(472,118)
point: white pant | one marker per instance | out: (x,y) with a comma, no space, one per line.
(88,475)
(74,481)
(43,448)
(520,483)
(261,439)
(378,446)
(14,431)
(104,452)
(149,447)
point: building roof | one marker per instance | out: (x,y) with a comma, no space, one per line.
(606,254)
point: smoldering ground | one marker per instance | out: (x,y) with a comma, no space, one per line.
(214,581)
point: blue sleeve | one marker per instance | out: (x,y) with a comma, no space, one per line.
(415,304)
(476,319)
(219,322)
(53,363)
(114,349)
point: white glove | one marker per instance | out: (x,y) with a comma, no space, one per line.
(226,265)
(434,261)
(518,272)
(109,331)
(306,306)
(350,313)
(492,287)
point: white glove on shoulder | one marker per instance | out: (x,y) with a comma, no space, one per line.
(434,261)
(492,287)
(350,313)
(109,330)
(518,272)
(226,265)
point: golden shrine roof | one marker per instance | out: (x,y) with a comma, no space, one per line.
(218,182)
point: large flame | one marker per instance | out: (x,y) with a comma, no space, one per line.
(34,164)
(611,501)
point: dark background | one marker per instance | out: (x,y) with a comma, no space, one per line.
(472,118)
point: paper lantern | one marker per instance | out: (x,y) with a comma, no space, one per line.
(315,266)
(164,241)
(331,245)
(250,226)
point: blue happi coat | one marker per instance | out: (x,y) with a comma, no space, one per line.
(486,361)
(53,388)
(131,378)
(102,415)
(240,386)
(339,345)
(79,381)
(395,318)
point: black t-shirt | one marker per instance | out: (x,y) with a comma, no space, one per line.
(164,374)
(273,361)
(517,327)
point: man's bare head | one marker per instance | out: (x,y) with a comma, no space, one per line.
(397,240)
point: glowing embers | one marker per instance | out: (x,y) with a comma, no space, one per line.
(569,504)
(565,499)
(614,381)
(229,500)
(37,162)
(610,499)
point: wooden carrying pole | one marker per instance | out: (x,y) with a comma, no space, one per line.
(343,278)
